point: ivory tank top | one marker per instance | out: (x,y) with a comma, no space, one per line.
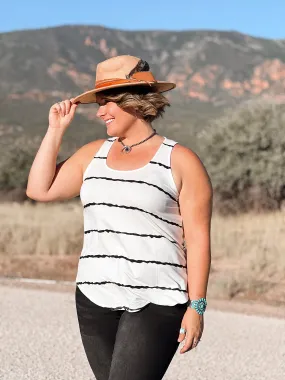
(133,249)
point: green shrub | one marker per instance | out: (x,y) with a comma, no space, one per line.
(16,161)
(244,153)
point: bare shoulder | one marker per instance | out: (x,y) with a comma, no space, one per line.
(189,167)
(88,151)
(184,158)
(89,147)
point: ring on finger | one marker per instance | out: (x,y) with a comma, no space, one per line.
(182,330)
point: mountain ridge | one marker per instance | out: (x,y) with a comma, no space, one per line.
(213,70)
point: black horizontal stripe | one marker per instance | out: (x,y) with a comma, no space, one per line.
(167,144)
(129,286)
(133,181)
(133,260)
(160,164)
(131,208)
(102,157)
(130,233)
(120,308)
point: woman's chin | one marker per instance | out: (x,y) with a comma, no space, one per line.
(111,131)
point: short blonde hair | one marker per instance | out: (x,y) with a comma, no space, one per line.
(142,101)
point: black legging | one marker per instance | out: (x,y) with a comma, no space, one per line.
(121,345)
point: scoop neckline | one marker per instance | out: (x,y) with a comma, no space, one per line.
(133,170)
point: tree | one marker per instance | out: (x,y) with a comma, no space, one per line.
(244,153)
(16,161)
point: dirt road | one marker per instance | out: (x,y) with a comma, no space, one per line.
(40,340)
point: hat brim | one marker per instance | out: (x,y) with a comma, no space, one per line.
(90,96)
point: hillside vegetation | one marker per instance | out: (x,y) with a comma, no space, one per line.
(212,69)
(244,152)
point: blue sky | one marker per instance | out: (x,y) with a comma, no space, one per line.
(256,17)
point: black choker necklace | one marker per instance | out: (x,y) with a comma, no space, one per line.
(128,148)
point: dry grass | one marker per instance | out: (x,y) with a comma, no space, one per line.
(41,240)
(45,240)
(41,229)
(248,257)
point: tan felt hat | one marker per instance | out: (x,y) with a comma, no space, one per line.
(122,71)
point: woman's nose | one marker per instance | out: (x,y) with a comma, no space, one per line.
(101,111)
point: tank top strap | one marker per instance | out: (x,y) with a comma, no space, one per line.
(164,153)
(105,147)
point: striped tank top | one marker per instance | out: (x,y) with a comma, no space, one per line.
(133,248)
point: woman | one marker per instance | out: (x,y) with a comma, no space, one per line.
(139,292)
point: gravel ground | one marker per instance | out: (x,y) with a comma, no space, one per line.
(39,339)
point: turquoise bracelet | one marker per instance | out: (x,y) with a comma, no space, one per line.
(199,305)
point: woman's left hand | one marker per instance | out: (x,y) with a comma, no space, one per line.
(193,323)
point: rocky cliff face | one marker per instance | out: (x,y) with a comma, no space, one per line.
(213,68)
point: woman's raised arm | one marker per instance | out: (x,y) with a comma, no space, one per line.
(47,180)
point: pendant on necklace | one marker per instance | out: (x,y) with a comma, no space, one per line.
(126,149)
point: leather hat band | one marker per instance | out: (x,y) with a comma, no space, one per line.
(146,76)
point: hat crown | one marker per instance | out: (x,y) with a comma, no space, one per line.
(117,67)
(122,71)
